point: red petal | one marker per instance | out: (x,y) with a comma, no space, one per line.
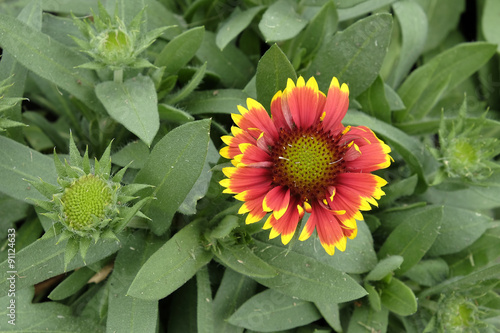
(277,201)
(373,157)
(303,102)
(287,224)
(337,103)
(281,119)
(256,117)
(366,184)
(246,178)
(253,155)
(328,227)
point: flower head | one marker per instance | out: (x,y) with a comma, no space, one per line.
(302,159)
(113,44)
(87,203)
(465,151)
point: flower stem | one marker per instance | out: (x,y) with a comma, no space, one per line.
(118,75)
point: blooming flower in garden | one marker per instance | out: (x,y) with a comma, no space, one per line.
(302,159)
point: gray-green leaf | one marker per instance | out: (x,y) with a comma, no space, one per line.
(133,104)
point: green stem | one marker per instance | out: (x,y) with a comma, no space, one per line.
(118,75)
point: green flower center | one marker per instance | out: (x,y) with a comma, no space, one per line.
(85,199)
(307,161)
(463,151)
(115,45)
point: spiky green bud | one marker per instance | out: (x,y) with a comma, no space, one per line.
(112,44)
(88,203)
(464,150)
(457,313)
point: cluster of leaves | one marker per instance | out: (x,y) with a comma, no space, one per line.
(426,260)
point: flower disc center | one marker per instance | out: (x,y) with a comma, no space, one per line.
(306,161)
(86,198)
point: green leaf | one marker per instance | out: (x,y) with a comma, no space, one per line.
(373,297)
(205,308)
(233,291)
(13,211)
(443,17)
(481,253)
(415,234)
(398,189)
(271,311)
(43,317)
(70,285)
(398,298)
(365,319)
(19,162)
(11,68)
(489,26)
(281,22)
(231,65)
(173,167)
(200,188)
(49,59)
(306,278)
(357,54)
(412,150)
(330,312)
(234,25)
(216,101)
(444,72)
(459,229)
(321,27)
(172,114)
(361,8)
(273,71)
(242,259)
(374,101)
(44,259)
(133,104)
(429,272)
(472,198)
(224,228)
(136,152)
(384,267)
(413,25)
(189,87)
(126,313)
(395,102)
(180,50)
(464,283)
(172,265)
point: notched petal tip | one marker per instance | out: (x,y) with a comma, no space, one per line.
(273,233)
(252,218)
(229,171)
(313,84)
(329,248)
(285,239)
(227,139)
(301,82)
(334,83)
(253,104)
(341,244)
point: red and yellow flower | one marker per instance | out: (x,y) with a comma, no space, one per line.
(302,159)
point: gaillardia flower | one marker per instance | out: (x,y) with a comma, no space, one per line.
(302,159)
